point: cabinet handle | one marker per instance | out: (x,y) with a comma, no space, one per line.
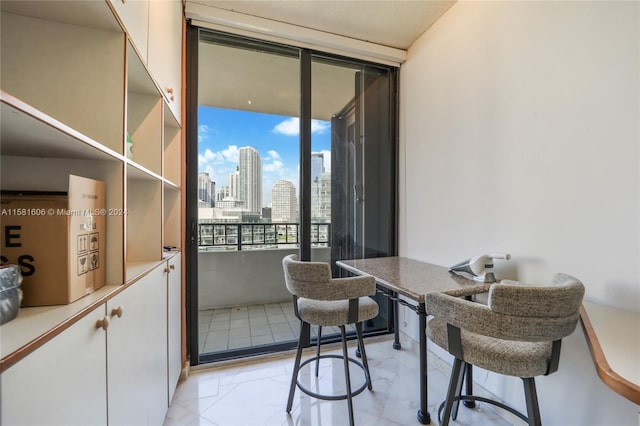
(117,311)
(170,90)
(172,266)
(103,323)
(167,270)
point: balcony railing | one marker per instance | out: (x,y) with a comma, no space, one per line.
(251,236)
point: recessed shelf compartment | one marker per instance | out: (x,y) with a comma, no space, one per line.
(27,131)
(144,114)
(93,14)
(136,171)
(72,73)
(172,157)
(144,218)
(21,173)
(172,218)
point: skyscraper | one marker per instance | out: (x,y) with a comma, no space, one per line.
(284,203)
(317,165)
(222,193)
(233,184)
(321,198)
(250,180)
(206,190)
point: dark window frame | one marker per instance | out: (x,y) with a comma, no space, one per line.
(306,56)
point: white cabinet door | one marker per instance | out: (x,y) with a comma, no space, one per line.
(165,49)
(135,17)
(174,321)
(61,383)
(137,352)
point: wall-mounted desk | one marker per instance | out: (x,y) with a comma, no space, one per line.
(613,336)
(412,279)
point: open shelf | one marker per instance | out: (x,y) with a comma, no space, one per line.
(21,173)
(144,218)
(91,14)
(70,72)
(172,157)
(27,131)
(171,217)
(144,114)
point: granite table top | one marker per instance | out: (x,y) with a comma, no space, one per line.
(413,278)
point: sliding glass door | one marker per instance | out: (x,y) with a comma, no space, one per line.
(353,165)
(289,151)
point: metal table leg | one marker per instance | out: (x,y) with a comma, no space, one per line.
(469,379)
(423,414)
(396,322)
(469,387)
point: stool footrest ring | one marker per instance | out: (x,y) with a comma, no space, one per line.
(482,399)
(334,397)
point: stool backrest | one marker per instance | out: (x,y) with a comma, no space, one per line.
(305,279)
(515,310)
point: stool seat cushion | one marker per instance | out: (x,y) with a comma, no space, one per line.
(508,357)
(334,312)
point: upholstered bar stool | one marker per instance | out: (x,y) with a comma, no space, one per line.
(321,300)
(517,333)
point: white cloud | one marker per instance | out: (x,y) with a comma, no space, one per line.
(203,131)
(288,127)
(272,162)
(291,126)
(275,166)
(318,126)
(210,170)
(206,157)
(219,164)
(232,153)
(273,154)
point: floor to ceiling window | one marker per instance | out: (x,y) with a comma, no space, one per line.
(289,151)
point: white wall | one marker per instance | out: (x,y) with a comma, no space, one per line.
(229,278)
(520,133)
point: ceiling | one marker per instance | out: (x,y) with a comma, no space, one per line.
(392,23)
(252,81)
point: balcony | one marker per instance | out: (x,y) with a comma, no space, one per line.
(242,297)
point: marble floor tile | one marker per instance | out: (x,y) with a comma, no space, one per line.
(254,391)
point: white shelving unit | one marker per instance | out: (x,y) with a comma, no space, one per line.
(74,81)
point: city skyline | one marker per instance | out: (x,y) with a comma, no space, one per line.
(222,133)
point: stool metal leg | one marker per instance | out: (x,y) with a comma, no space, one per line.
(304,328)
(461,378)
(451,393)
(347,377)
(318,350)
(363,354)
(531,396)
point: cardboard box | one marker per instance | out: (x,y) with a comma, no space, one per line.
(57,239)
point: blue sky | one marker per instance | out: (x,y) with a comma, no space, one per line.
(222,132)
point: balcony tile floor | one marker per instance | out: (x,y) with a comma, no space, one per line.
(249,325)
(253,391)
